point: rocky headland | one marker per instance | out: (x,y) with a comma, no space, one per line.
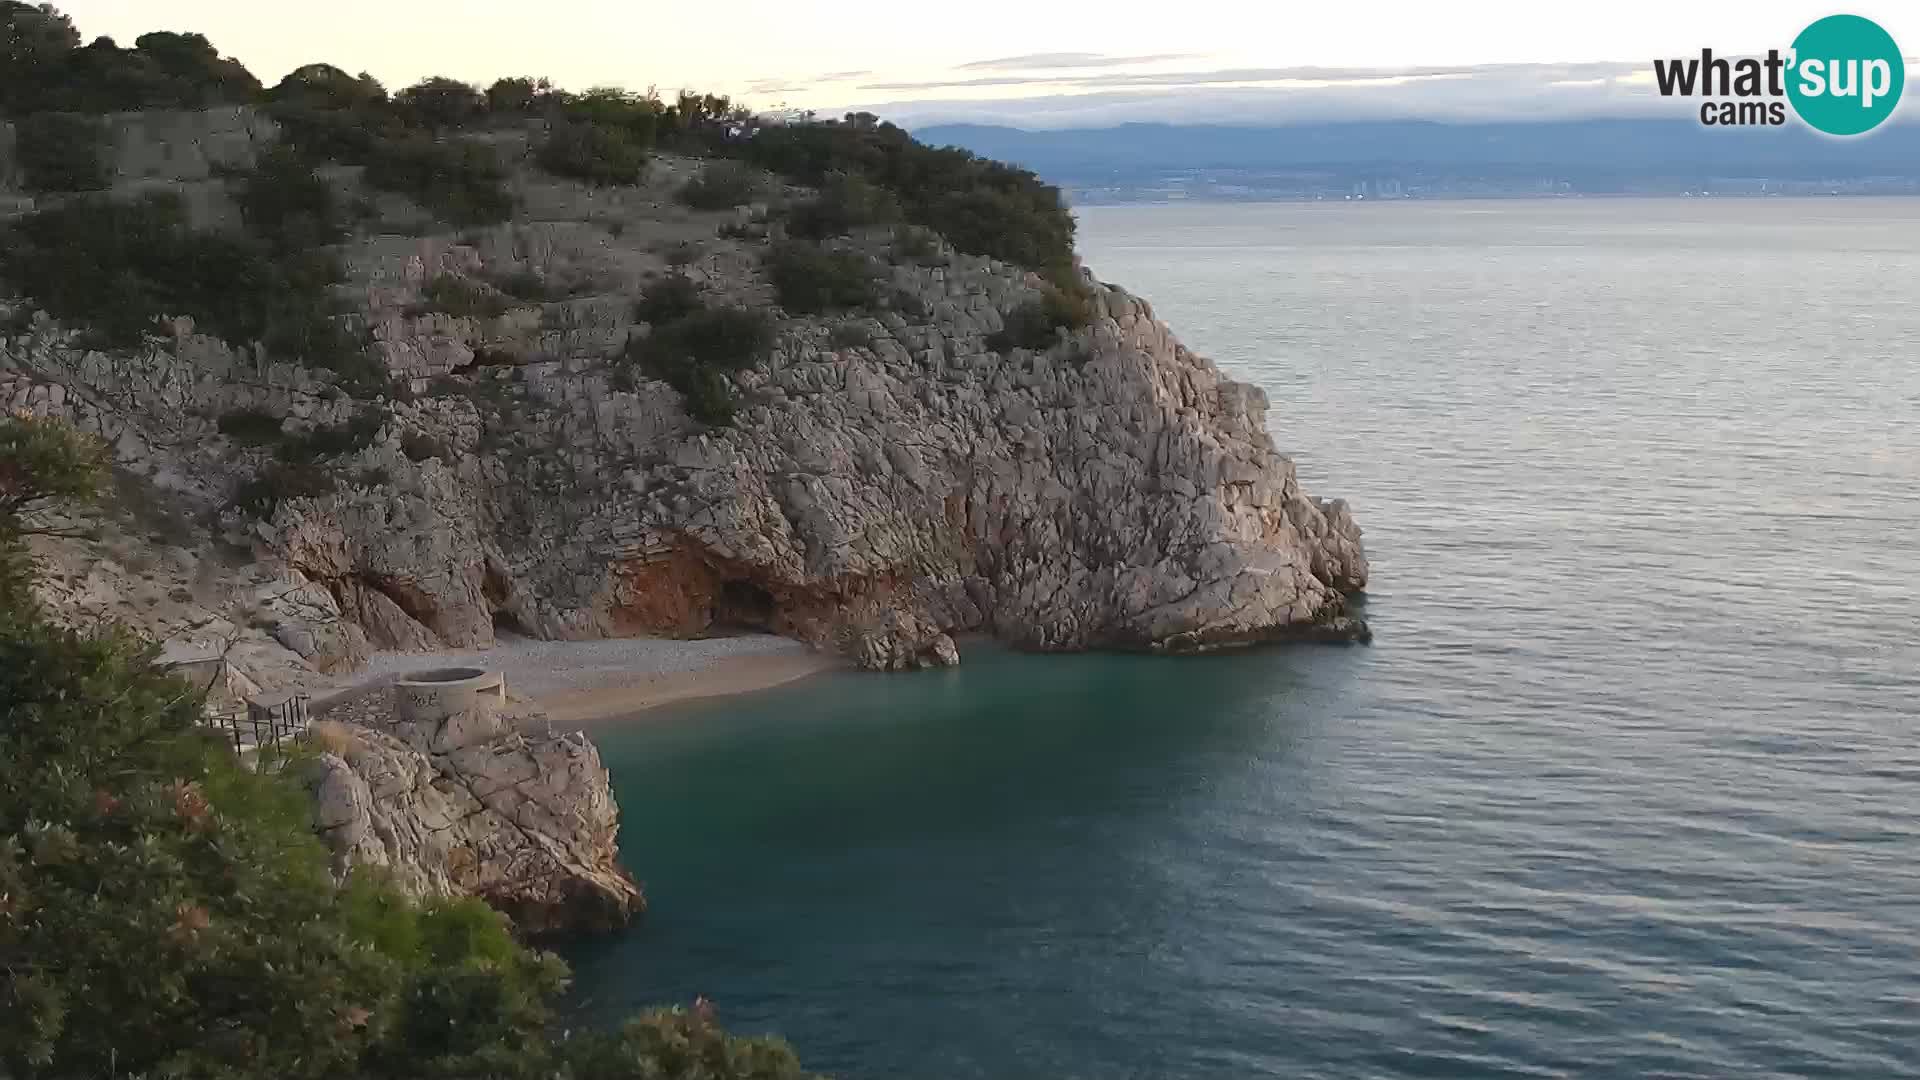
(894,473)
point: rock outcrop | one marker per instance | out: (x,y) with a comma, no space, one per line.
(490,805)
(890,482)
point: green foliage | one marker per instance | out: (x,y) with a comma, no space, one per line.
(118,266)
(251,427)
(459,182)
(980,206)
(601,154)
(680,1044)
(463,297)
(44,68)
(440,103)
(721,185)
(44,462)
(1036,323)
(639,116)
(667,299)
(62,152)
(696,352)
(520,96)
(846,202)
(285,202)
(811,280)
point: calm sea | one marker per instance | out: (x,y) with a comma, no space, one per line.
(1628,785)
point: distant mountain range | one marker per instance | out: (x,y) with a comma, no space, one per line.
(1423,158)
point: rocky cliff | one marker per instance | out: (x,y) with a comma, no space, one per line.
(890,479)
(491,805)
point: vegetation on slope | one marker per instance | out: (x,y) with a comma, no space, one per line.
(165,911)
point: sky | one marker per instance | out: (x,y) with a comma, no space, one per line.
(1027,62)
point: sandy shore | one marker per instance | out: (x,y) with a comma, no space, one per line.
(581,682)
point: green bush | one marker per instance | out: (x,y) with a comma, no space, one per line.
(667,299)
(118,266)
(520,96)
(696,352)
(43,68)
(463,297)
(285,202)
(639,116)
(459,182)
(62,152)
(811,280)
(721,185)
(845,203)
(600,154)
(1036,323)
(440,103)
(981,206)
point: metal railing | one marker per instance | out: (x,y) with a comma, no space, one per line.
(265,723)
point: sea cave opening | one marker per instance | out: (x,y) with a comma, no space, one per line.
(742,605)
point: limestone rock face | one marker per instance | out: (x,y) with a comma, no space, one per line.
(890,480)
(1113,491)
(496,807)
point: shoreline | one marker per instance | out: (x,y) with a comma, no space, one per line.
(725,677)
(577,683)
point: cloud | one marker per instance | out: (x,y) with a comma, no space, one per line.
(1034,61)
(1307,95)
(1296,74)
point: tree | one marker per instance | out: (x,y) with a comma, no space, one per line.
(521,95)
(600,154)
(326,86)
(42,463)
(441,103)
(33,41)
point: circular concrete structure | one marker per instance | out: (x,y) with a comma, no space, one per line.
(432,696)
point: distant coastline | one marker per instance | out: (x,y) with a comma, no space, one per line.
(1082,197)
(1389,160)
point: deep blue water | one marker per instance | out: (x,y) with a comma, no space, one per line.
(1628,786)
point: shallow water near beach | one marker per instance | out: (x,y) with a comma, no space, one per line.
(1628,785)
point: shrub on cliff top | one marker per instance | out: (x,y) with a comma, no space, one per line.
(811,280)
(62,152)
(845,203)
(672,297)
(459,182)
(600,154)
(980,206)
(118,266)
(721,185)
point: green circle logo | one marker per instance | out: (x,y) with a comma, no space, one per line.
(1847,75)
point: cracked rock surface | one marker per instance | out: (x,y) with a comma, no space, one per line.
(493,806)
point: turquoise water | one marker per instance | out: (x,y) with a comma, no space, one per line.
(1627,786)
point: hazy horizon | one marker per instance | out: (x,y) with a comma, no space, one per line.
(1035,67)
